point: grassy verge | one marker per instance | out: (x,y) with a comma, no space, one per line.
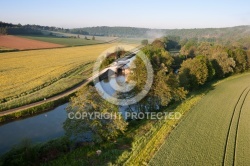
(145,146)
(4,49)
(28,154)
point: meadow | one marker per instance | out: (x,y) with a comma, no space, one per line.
(60,34)
(64,41)
(215,131)
(29,76)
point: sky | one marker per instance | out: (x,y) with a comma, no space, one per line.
(161,14)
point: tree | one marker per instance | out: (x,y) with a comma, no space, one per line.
(193,73)
(240,57)
(165,87)
(248,58)
(86,102)
(93,37)
(85,38)
(189,48)
(144,42)
(158,44)
(204,48)
(223,64)
(172,42)
(210,68)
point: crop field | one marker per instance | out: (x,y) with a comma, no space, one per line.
(215,132)
(19,43)
(65,41)
(27,76)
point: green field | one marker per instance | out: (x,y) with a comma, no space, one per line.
(65,41)
(100,38)
(215,131)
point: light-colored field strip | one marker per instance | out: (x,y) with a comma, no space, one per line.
(242,151)
(231,142)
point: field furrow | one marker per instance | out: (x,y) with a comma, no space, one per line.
(242,146)
(201,137)
(230,144)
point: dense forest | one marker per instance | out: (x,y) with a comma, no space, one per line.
(207,33)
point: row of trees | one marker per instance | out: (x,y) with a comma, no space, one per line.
(206,61)
(32,27)
(165,87)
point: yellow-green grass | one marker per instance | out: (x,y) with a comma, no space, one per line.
(28,75)
(4,49)
(206,136)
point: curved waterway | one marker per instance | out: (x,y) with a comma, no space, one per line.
(39,128)
(46,126)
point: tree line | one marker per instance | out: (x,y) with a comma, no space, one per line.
(206,62)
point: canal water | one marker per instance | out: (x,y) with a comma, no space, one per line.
(39,128)
(46,126)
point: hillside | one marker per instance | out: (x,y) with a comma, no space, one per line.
(239,31)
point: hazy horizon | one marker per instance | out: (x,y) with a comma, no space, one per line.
(125,26)
(149,14)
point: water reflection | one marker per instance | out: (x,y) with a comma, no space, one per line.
(39,128)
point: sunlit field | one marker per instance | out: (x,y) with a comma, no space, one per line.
(215,132)
(30,75)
